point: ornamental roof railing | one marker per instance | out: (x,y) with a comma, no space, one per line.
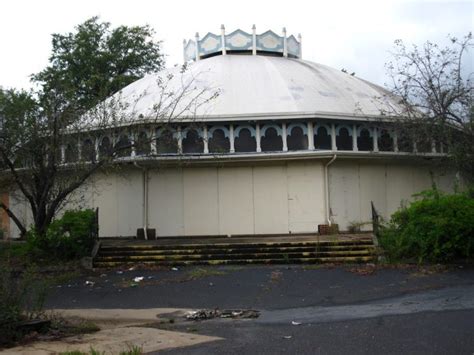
(238,41)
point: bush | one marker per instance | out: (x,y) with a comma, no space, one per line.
(435,228)
(70,237)
(21,298)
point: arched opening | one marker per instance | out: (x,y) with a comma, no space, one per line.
(142,144)
(105,147)
(344,139)
(123,147)
(365,141)
(271,140)
(244,141)
(297,139)
(385,141)
(70,153)
(404,142)
(88,150)
(166,143)
(423,143)
(192,142)
(322,139)
(218,142)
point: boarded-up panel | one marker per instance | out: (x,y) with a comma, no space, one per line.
(165,202)
(305,196)
(200,201)
(236,212)
(129,202)
(399,186)
(373,187)
(270,199)
(106,200)
(422,179)
(344,193)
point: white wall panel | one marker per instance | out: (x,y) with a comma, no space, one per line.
(165,202)
(270,199)
(344,192)
(305,196)
(236,210)
(200,201)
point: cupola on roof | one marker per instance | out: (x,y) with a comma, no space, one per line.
(241,42)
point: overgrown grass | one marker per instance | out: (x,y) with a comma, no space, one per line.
(435,228)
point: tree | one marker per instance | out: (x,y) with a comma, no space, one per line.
(49,140)
(436,99)
(96,61)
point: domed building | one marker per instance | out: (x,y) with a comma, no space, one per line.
(263,142)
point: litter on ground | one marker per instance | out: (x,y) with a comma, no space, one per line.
(204,314)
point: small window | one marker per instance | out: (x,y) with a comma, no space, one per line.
(344,139)
(88,150)
(166,143)
(271,141)
(105,147)
(297,139)
(71,153)
(218,142)
(192,142)
(364,141)
(322,139)
(244,142)
(405,144)
(385,141)
(142,144)
(423,143)
(123,146)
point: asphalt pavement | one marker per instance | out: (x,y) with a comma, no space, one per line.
(303,309)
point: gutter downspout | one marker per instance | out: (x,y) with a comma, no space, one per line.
(326,185)
(145,199)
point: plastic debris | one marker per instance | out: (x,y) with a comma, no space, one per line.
(174,268)
(295,323)
(287,337)
(204,314)
(89,283)
(138,279)
(131,269)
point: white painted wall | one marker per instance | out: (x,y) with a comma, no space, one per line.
(283,197)
(237,200)
(353,185)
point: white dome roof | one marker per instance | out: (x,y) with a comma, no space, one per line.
(258,87)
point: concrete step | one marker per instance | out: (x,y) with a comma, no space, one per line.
(354,259)
(258,255)
(234,250)
(151,246)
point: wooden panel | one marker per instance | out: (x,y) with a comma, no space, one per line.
(270,199)
(305,196)
(236,212)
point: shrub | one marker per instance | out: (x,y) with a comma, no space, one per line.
(21,298)
(67,238)
(436,228)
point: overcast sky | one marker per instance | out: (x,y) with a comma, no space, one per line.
(356,35)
